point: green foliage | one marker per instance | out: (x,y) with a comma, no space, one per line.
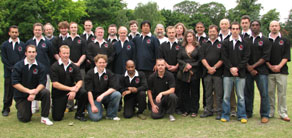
(213,11)
(267,18)
(173,17)
(245,7)
(187,7)
(149,11)
(288,26)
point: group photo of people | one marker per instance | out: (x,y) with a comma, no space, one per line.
(146,75)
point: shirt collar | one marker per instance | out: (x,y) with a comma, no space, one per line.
(203,35)
(133,35)
(279,35)
(42,38)
(248,32)
(27,63)
(259,35)
(125,40)
(231,39)
(217,39)
(136,74)
(96,70)
(10,40)
(75,36)
(91,33)
(103,41)
(229,32)
(175,41)
(67,35)
(61,62)
(113,38)
(149,35)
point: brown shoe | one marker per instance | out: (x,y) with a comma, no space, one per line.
(265,120)
(286,119)
(142,117)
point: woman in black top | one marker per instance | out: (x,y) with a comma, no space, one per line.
(188,74)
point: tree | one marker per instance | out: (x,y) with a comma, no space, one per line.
(187,7)
(214,11)
(245,7)
(173,17)
(149,12)
(267,18)
(288,26)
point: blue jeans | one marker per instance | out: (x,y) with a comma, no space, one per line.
(239,85)
(262,84)
(112,101)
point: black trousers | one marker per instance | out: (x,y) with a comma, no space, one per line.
(8,94)
(167,105)
(190,96)
(131,100)
(23,106)
(214,84)
(60,102)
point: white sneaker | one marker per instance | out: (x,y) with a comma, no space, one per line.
(171,118)
(115,118)
(46,121)
(33,110)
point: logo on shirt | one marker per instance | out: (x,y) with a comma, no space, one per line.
(113,43)
(219,46)
(137,80)
(70,69)
(240,47)
(92,38)
(128,47)
(177,48)
(260,43)
(20,49)
(106,45)
(281,42)
(166,82)
(44,45)
(35,71)
(204,40)
(105,77)
(148,41)
(79,41)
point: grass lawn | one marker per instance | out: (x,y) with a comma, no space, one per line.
(183,127)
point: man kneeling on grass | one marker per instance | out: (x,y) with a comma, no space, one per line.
(101,86)
(161,92)
(29,80)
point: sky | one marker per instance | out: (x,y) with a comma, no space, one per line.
(282,6)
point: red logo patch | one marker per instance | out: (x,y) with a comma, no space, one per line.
(148,41)
(219,46)
(204,40)
(44,45)
(240,47)
(70,69)
(137,80)
(177,48)
(92,38)
(19,48)
(128,47)
(260,43)
(281,42)
(35,71)
(106,45)
(79,41)
(105,77)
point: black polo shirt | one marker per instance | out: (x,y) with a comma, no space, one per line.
(98,85)
(11,56)
(212,53)
(280,50)
(169,54)
(146,52)
(226,38)
(139,81)
(130,37)
(45,51)
(112,41)
(28,77)
(235,57)
(202,39)
(105,48)
(260,48)
(157,84)
(122,55)
(89,39)
(77,47)
(57,43)
(69,77)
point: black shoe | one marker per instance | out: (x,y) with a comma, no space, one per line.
(218,117)
(81,118)
(206,114)
(248,115)
(178,112)
(5,113)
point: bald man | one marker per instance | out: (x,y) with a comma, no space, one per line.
(278,69)
(225,32)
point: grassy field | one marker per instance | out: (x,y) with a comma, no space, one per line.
(183,127)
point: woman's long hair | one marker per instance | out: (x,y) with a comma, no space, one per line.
(195,42)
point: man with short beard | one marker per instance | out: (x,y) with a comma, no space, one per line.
(49,31)
(159,32)
(112,34)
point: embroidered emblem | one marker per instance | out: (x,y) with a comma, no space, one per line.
(20,49)
(176,47)
(35,71)
(281,42)
(137,80)
(70,69)
(148,41)
(106,45)
(44,45)
(79,41)
(128,47)
(260,43)
(240,47)
(105,77)
(219,46)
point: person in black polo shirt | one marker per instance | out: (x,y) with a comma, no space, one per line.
(102,89)
(235,55)
(212,72)
(161,92)
(58,41)
(100,46)
(147,49)
(88,35)
(45,54)
(201,35)
(49,31)
(124,50)
(245,27)
(133,25)
(112,34)
(258,71)
(29,80)
(278,69)
(225,32)
(134,86)
(12,51)
(67,85)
